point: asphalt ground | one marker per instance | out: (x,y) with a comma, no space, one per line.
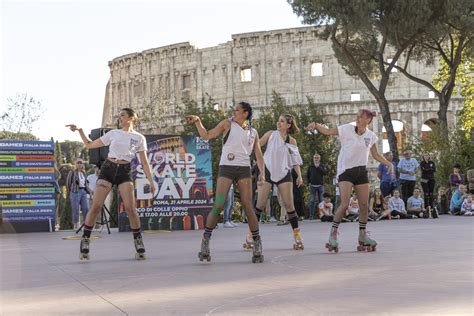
(421,267)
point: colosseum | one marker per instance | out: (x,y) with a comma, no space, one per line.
(293,62)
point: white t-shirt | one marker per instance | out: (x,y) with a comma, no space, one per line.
(355,148)
(92,179)
(239,145)
(82,180)
(277,157)
(124,145)
(326,208)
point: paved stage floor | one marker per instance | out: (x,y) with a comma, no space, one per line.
(421,267)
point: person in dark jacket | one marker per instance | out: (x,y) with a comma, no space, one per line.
(428,169)
(315,177)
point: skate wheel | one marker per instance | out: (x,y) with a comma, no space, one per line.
(83,256)
(295,247)
(140,256)
(245,246)
(336,250)
(302,247)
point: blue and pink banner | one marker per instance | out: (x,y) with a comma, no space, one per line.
(182,172)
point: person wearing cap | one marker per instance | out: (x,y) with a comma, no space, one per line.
(78,189)
(408,167)
(357,142)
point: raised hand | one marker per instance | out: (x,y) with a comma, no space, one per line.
(73,127)
(192,119)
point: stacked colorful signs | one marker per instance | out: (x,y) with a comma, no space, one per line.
(182,171)
(27,185)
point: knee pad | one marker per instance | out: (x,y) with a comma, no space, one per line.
(218,204)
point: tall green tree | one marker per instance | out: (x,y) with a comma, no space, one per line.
(449,40)
(58,154)
(361,32)
(17,136)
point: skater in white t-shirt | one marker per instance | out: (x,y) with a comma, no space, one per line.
(356,144)
(124,144)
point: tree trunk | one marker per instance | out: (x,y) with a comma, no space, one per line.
(443,117)
(387,122)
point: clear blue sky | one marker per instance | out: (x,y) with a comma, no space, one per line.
(57,51)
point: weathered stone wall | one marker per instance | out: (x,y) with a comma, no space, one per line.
(279,60)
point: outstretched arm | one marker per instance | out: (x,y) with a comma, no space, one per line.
(221,128)
(87,142)
(322,129)
(265,138)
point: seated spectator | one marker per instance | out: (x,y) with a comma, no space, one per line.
(377,205)
(456,178)
(396,206)
(416,205)
(456,200)
(442,201)
(467,207)
(325,209)
(352,212)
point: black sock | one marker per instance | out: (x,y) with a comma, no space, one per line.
(136,233)
(207,232)
(293,219)
(255,234)
(335,225)
(362,226)
(87,231)
(259,213)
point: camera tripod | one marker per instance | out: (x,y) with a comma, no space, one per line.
(103,220)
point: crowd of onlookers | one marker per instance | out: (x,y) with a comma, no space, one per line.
(408,193)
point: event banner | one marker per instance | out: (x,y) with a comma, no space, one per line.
(27,185)
(182,171)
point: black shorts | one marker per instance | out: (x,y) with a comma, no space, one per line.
(287,178)
(356,175)
(115,173)
(235,173)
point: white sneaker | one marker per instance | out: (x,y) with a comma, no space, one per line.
(228,225)
(272,219)
(234,224)
(468,213)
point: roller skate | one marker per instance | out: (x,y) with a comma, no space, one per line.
(365,243)
(298,245)
(433,212)
(333,244)
(249,244)
(84,248)
(140,248)
(205,252)
(257,256)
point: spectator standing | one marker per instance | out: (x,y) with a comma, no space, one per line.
(456,178)
(315,177)
(388,181)
(428,182)
(78,190)
(408,167)
(228,207)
